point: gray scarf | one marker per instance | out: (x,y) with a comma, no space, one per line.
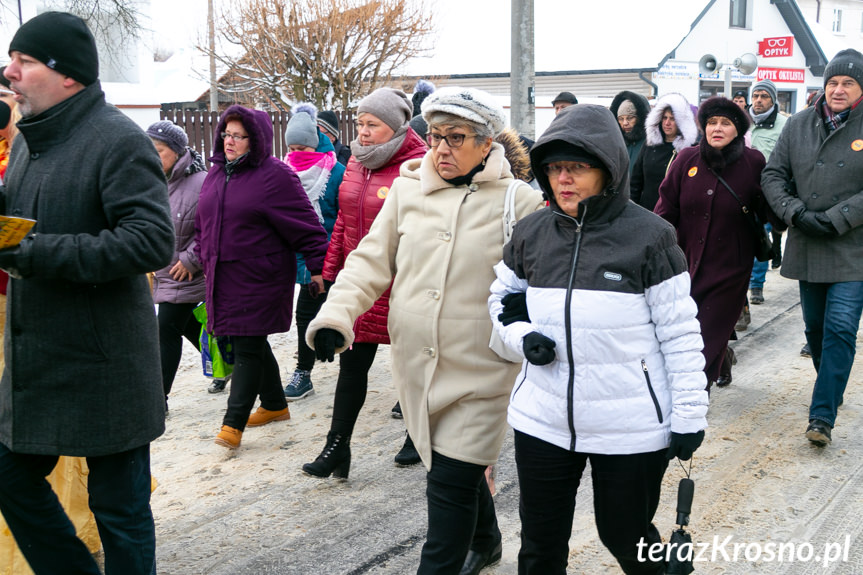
(378,155)
(759,118)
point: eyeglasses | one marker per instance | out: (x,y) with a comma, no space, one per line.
(453,140)
(235,137)
(572,168)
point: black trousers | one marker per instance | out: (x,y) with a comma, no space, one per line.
(352,385)
(175,322)
(256,373)
(626,491)
(307,308)
(119,488)
(460,515)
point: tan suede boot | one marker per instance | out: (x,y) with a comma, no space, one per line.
(263,416)
(229,437)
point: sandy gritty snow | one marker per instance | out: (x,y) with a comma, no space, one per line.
(757,479)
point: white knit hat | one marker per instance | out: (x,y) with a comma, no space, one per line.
(468,103)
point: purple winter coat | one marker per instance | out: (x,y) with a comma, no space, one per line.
(716,238)
(250,225)
(184,186)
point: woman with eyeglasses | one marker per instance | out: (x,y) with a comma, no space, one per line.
(711,227)
(384,141)
(437,238)
(613,367)
(253,218)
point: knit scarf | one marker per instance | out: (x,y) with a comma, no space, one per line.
(378,155)
(313,169)
(760,118)
(834,120)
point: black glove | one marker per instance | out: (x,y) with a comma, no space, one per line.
(538,349)
(326,342)
(814,224)
(514,308)
(683,445)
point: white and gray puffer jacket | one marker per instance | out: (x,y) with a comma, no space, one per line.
(611,288)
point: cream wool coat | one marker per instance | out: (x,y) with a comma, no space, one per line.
(440,243)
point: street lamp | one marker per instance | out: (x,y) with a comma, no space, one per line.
(746,64)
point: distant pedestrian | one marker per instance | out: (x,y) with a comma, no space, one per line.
(312,157)
(384,142)
(81,375)
(631,111)
(563,100)
(719,243)
(670,128)
(328,122)
(740,99)
(179,287)
(812,181)
(253,218)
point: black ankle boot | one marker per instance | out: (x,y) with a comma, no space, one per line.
(334,460)
(408,455)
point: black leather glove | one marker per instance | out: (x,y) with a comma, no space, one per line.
(538,349)
(814,224)
(514,308)
(683,445)
(326,342)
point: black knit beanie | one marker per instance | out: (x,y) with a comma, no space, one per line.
(5,114)
(62,42)
(846,63)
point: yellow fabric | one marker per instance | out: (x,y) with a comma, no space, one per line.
(69,481)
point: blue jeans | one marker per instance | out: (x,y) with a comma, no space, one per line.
(119,487)
(759,269)
(831,313)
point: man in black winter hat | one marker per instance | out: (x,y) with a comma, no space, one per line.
(93,182)
(812,181)
(328,123)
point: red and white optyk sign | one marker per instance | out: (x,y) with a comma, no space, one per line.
(779,47)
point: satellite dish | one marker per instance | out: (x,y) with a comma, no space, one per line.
(708,64)
(746,63)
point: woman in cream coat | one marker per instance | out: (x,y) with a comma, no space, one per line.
(441,228)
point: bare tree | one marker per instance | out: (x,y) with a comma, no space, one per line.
(116,24)
(325,51)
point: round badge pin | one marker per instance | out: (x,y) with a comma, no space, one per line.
(857,145)
(692,171)
(382,192)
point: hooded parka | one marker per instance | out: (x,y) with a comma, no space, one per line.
(184,187)
(250,225)
(610,287)
(656,155)
(440,243)
(635,139)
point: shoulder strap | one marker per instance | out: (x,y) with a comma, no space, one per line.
(724,183)
(509,218)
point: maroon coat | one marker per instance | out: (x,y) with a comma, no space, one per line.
(716,238)
(249,226)
(361,196)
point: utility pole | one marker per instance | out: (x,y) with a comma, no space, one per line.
(211,28)
(521,74)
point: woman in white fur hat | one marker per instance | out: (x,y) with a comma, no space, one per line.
(441,228)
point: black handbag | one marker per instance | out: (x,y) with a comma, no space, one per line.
(763,245)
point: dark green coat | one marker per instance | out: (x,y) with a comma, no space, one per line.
(828,173)
(82,370)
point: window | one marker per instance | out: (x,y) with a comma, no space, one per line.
(738,14)
(837,21)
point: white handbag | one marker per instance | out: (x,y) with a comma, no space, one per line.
(495,343)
